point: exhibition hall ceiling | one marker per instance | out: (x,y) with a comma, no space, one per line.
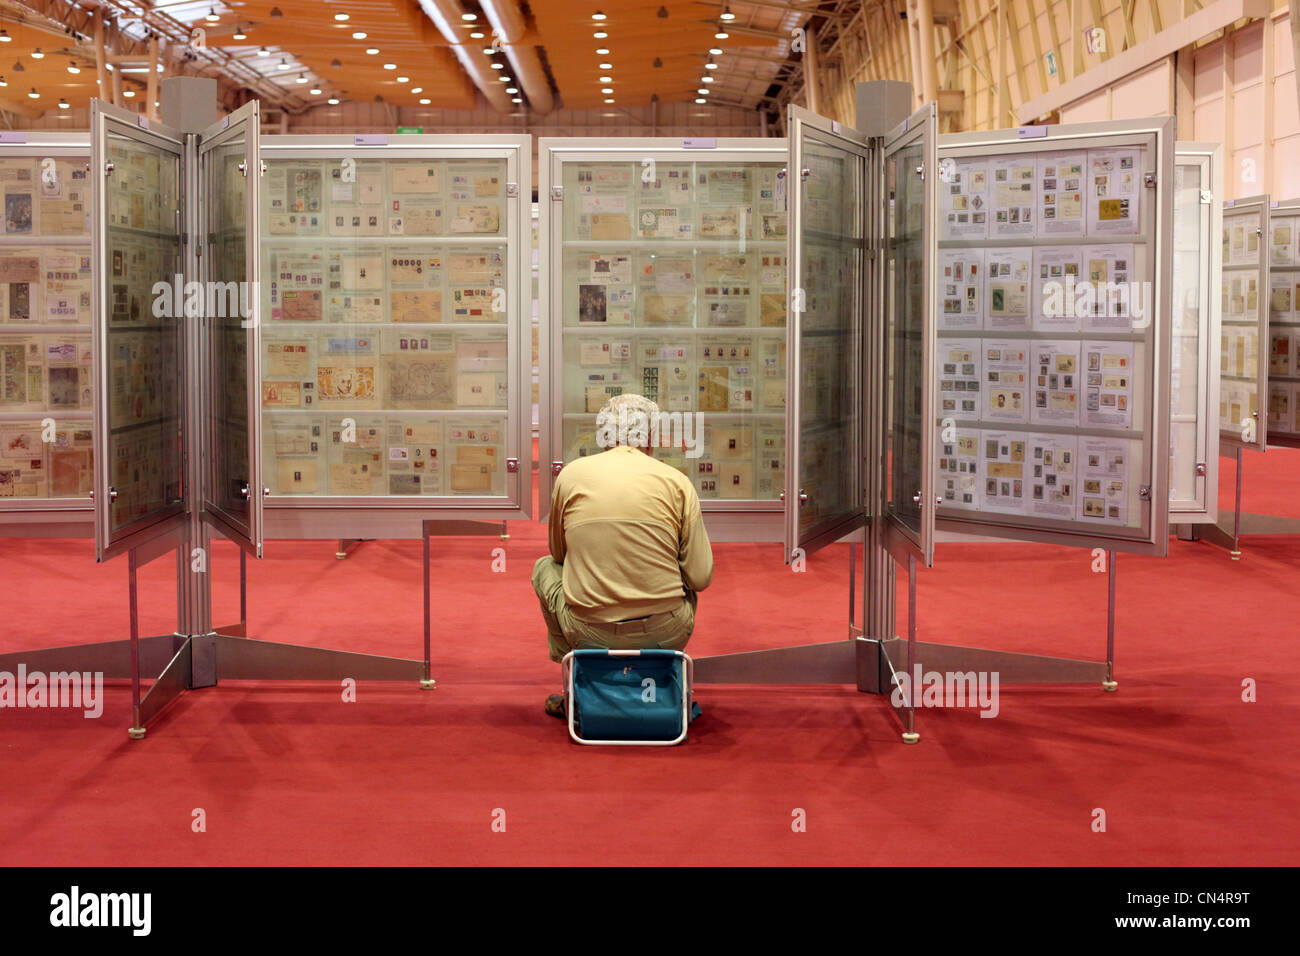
(451,54)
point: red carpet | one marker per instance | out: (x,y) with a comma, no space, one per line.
(1186,772)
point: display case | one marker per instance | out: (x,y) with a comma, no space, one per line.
(1055,260)
(1243,376)
(664,273)
(1193,357)
(1283,418)
(46,399)
(395,365)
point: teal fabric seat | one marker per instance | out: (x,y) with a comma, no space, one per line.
(629,696)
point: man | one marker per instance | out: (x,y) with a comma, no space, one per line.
(628,545)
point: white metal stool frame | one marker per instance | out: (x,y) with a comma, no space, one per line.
(567,667)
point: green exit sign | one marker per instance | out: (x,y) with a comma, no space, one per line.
(410,129)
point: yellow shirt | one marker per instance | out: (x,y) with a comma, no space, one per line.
(628,530)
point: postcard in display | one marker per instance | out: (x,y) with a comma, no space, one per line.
(958,479)
(1006,370)
(1060,180)
(1114,190)
(1108,393)
(964,197)
(959,378)
(1013,196)
(1004,470)
(1104,476)
(1052,472)
(961,284)
(1008,288)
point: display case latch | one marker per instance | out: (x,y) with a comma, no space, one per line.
(557,193)
(262,163)
(1207,197)
(920,170)
(243,168)
(1200,469)
(556,466)
(512,466)
(512,189)
(805,173)
(1144,492)
(108,167)
(1149,180)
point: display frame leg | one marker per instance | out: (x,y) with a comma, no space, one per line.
(1112,574)
(136,730)
(426,678)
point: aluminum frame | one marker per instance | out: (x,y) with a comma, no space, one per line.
(1203,506)
(1156,136)
(1279,439)
(725,520)
(48,517)
(804,126)
(170,519)
(389,516)
(1231,439)
(248,533)
(901,541)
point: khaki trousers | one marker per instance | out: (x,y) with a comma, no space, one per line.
(564,632)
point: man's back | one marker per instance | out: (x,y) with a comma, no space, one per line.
(627,529)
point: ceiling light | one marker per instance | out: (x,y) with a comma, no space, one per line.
(721,34)
(37,54)
(727,14)
(390,66)
(606,90)
(5,37)
(128,93)
(240,34)
(63,104)
(372,50)
(314,91)
(302,78)
(602,51)
(342,17)
(18,66)
(517,100)
(417,89)
(609,101)
(73,68)
(403,79)
(336,63)
(469,16)
(600,34)
(512,90)
(212,15)
(701,100)
(606,66)
(606,79)
(505,79)
(3,81)
(476,35)
(498,66)
(275,12)
(359,35)
(703,90)
(663,13)
(283,64)
(425,101)
(716,51)
(264,52)
(33,94)
(333,101)
(710,65)
(598,15)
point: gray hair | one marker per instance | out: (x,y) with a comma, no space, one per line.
(627,419)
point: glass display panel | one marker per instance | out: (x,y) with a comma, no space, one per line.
(1244,300)
(1048,264)
(1190,272)
(231,309)
(673,286)
(143,333)
(1284,325)
(46,402)
(385,335)
(831,402)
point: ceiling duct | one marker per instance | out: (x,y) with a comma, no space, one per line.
(446,16)
(508,22)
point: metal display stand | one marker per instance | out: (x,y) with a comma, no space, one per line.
(55,159)
(890,504)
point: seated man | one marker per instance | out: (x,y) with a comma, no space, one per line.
(628,546)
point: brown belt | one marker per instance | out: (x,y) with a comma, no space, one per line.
(637,625)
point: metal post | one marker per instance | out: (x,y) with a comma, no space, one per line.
(136,730)
(1111,573)
(427,682)
(853,583)
(910,736)
(1236,515)
(243,590)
